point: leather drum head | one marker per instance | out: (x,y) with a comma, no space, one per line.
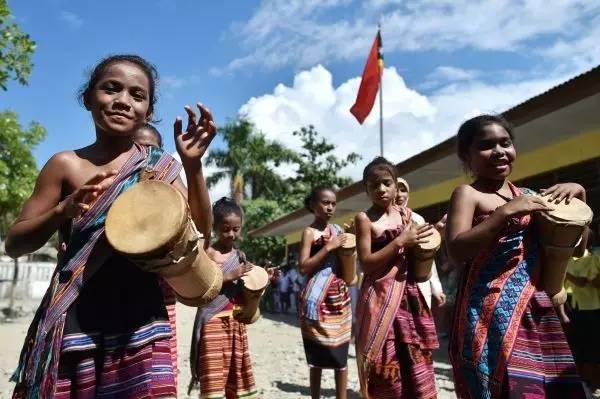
(350,241)
(433,241)
(145,218)
(575,212)
(256,279)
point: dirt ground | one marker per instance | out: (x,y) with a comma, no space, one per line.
(275,345)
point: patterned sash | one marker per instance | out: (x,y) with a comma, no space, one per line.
(316,287)
(38,364)
(207,312)
(497,290)
(379,299)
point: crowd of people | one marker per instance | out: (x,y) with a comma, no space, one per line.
(105,328)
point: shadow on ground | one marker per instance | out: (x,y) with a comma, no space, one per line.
(304,390)
(287,318)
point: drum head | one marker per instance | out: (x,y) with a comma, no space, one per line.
(350,241)
(433,241)
(256,279)
(575,212)
(145,218)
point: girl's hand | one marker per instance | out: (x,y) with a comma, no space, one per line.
(440,226)
(273,273)
(414,235)
(440,299)
(193,143)
(239,272)
(80,200)
(561,191)
(523,205)
(335,242)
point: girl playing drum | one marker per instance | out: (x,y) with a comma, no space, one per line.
(102,329)
(325,311)
(507,340)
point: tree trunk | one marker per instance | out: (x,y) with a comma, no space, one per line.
(13,289)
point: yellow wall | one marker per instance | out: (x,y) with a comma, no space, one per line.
(555,156)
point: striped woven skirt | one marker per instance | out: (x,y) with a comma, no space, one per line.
(326,341)
(224,364)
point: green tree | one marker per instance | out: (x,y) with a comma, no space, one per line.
(16,49)
(18,173)
(317,165)
(248,160)
(260,250)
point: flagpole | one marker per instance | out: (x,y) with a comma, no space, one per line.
(380,104)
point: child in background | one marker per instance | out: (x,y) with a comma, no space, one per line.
(148,135)
(395,332)
(102,329)
(507,340)
(325,311)
(219,356)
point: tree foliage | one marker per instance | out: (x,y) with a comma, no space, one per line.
(260,250)
(16,49)
(18,170)
(248,161)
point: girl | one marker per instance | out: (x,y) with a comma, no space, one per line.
(325,311)
(395,329)
(219,357)
(102,329)
(148,135)
(507,340)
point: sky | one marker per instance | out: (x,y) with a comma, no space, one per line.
(285,64)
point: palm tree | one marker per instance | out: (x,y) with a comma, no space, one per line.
(248,160)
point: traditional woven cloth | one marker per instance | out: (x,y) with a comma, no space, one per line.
(219,355)
(507,340)
(101,316)
(395,330)
(326,316)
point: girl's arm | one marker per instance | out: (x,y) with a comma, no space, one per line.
(44,212)
(464,240)
(308,263)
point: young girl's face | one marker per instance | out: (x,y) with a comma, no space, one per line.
(324,206)
(146,137)
(228,229)
(119,101)
(381,188)
(492,153)
(402,195)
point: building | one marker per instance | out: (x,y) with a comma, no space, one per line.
(557,136)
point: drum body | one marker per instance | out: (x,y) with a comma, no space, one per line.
(347,260)
(253,287)
(423,256)
(151,225)
(560,231)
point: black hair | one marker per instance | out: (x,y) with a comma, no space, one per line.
(152,129)
(104,63)
(379,164)
(314,194)
(224,207)
(473,128)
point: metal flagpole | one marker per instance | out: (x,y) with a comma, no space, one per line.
(380,96)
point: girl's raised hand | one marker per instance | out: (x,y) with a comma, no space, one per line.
(80,200)
(413,235)
(335,242)
(525,204)
(193,143)
(561,191)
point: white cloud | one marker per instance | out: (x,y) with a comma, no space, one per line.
(300,33)
(413,122)
(172,82)
(72,20)
(220,190)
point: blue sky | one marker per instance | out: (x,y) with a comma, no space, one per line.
(289,63)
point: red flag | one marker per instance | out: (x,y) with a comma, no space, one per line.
(369,85)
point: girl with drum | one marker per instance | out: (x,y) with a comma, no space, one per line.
(395,334)
(507,340)
(219,356)
(325,311)
(102,329)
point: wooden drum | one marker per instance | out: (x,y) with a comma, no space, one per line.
(347,260)
(560,231)
(423,256)
(253,287)
(151,225)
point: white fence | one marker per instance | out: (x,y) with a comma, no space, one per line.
(32,281)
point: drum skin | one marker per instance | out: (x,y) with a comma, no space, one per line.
(347,260)
(560,231)
(254,284)
(423,256)
(151,225)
